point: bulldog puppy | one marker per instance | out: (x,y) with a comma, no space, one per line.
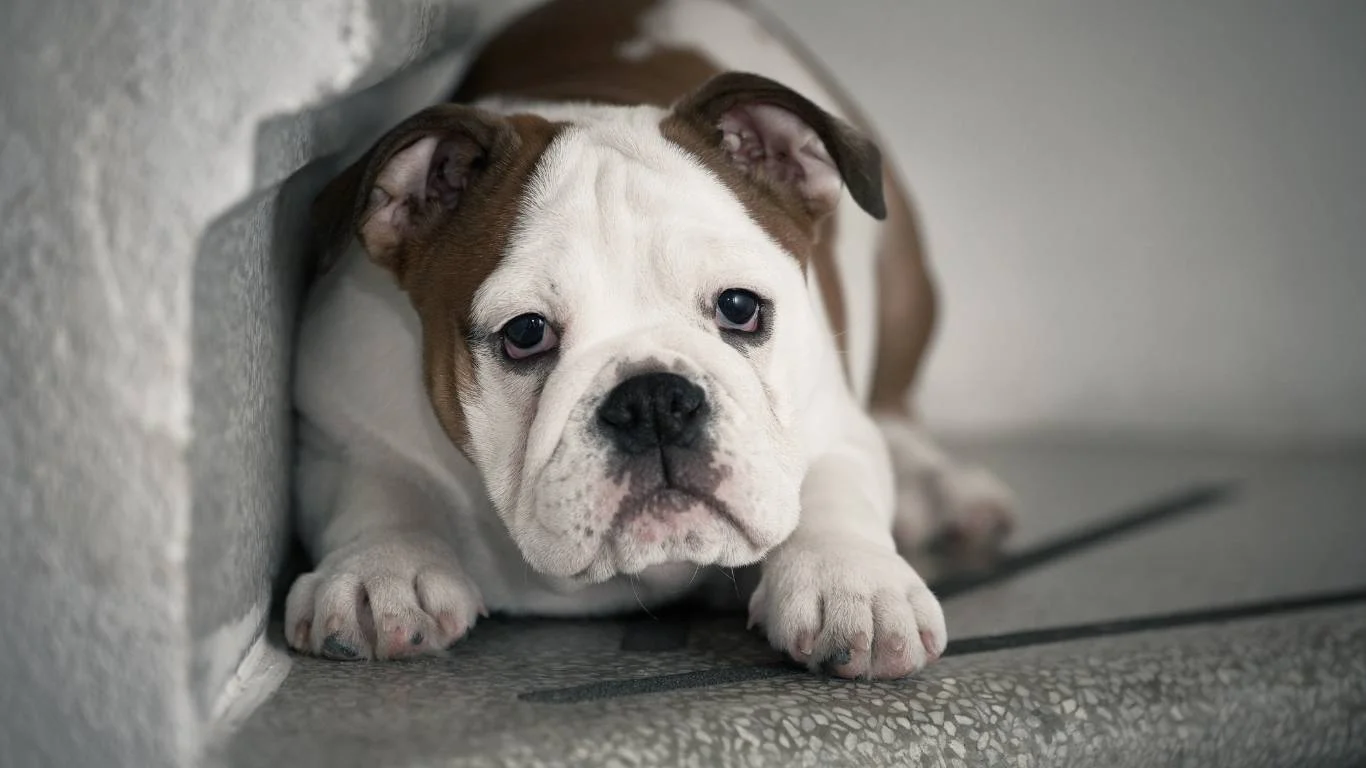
(621,318)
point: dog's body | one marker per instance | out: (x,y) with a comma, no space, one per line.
(538,386)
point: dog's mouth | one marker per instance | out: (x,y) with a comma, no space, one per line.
(671,504)
(667,499)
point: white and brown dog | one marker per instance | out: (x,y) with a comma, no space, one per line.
(620,319)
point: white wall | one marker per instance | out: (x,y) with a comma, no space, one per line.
(1146,216)
(149,262)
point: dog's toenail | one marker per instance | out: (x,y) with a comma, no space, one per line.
(928,640)
(416,639)
(841,657)
(334,647)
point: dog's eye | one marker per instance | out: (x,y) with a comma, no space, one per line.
(737,310)
(528,335)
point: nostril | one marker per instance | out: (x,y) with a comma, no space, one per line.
(684,404)
(617,415)
(690,401)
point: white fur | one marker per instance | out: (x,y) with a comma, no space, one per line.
(637,294)
(623,241)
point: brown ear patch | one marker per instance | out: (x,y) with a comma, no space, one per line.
(409,181)
(434,202)
(781,213)
(719,123)
(781,139)
(458,256)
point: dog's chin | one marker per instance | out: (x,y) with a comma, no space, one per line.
(654,532)
(669,526)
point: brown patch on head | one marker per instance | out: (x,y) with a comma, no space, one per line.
(434,203)
(574,51)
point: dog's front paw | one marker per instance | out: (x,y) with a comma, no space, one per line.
(383,598)
(853,609)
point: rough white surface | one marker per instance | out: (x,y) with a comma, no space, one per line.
(1145,216)
(143,501)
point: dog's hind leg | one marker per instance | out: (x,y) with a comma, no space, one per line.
(937,497)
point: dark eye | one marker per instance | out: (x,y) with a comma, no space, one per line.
(528,335)
(737,310)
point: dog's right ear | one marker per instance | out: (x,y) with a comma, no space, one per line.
(408,183)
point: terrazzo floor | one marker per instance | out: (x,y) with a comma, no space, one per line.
(1156,607)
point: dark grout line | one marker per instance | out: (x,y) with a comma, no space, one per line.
(988,643)
(609,689)
(670,633)
(1185,502)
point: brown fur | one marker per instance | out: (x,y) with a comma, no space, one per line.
(447,254)
(828,279)
(808,235)
(907,301)
(907,305)
(568,51)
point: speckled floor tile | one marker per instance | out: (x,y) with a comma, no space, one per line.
(1292,526)
(1287,689)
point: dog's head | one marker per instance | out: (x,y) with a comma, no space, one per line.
(616,326)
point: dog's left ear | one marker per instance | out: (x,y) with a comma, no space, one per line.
(418,175)
(780,137)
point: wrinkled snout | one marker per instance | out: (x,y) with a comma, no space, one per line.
(661,460)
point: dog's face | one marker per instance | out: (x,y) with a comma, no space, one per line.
(615,314)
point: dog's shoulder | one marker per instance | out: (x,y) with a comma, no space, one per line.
(356,370)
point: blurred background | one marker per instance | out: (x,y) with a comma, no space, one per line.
(1146,217)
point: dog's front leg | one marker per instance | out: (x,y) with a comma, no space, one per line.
(387,582)
(836,595)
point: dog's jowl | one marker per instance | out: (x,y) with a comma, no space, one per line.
(642,304)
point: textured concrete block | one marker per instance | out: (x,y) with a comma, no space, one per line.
(150,268)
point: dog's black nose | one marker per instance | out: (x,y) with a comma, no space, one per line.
(653,410)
